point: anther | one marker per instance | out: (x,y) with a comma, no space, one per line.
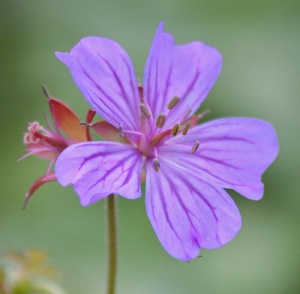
(160,121)
(174,101)
(145,110)
(156,164)
(195,147)
(85,124)
(121,131)
(186,128)
(175,130)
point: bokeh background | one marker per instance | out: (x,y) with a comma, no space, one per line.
(260,44)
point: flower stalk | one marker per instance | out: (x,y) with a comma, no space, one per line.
(111,244)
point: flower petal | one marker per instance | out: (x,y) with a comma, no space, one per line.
(66,119)
(233,153)
(186,71)
(104,73)
(97,169)
(186,213)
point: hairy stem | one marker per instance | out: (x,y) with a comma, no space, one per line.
(111,244)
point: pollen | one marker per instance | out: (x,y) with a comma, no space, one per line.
(156,164)
(186,128)
(160,121)
(121,131)
(195,147)
(173,102)
(175,130)
(145,110)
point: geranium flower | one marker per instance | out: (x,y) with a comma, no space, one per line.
(48,144)
(152,133)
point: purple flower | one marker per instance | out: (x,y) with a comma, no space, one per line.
(152,134)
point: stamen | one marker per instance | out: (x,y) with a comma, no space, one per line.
(187,127)
(45,92)
(85,124)
(175,130)
(145,110)
(174,101)
(160,121)
(52,141)
(195,147)
(133,132)
(121,131)
(156,164)
(186,115)
(204,113)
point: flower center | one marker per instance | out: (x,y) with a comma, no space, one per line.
(153,131)
(149,144)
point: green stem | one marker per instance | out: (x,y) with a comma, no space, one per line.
(112,244)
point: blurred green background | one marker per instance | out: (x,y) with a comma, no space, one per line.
(260,44)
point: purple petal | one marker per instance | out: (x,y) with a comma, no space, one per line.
(187,71)
(104,73)
(97,169)
(233,153)
(186,213)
